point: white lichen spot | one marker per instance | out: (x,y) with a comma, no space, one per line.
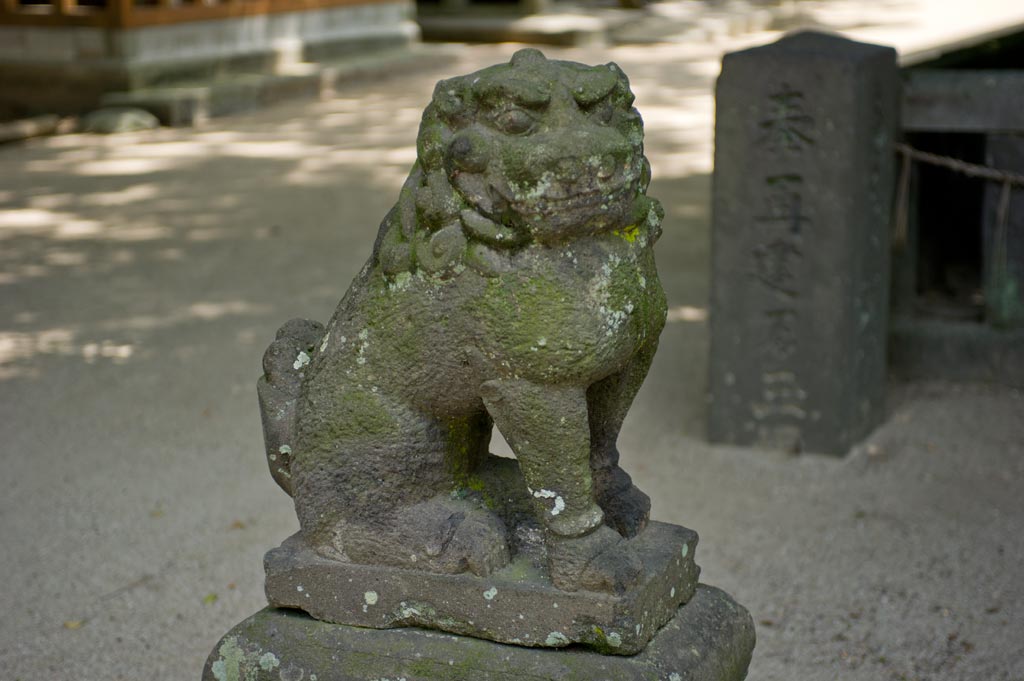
(370,597)
(559,506)
(556,638)
(301,361)
(542,342)
(491,593)
(544,494)
(614,639)
(299,588)
(637,629)
(285,449)
(364,343)
(273,457)
(323,343)
(642,280)
(685,550)
(672,593)
(674,677)
(401,282)
(269,661)
(408,611)
(555,606)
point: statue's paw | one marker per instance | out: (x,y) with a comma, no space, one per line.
(626,508)
(456,536)
(600,561)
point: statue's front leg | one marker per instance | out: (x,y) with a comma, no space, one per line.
(548,428)
(626,508)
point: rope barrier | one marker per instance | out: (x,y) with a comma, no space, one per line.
(999,258)
(963,167)
(1008,181)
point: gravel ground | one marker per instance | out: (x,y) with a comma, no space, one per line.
(143,274)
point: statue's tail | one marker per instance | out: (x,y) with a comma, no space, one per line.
(284,367)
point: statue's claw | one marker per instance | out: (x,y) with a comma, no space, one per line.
(626,508)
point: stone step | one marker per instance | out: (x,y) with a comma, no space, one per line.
(189,104)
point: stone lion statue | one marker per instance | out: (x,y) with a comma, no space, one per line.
(514,284)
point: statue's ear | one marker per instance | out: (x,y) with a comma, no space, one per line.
(451,99)
(622,95)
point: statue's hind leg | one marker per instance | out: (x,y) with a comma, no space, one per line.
(625,507)
(374,486)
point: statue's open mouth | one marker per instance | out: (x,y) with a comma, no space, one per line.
(559,198)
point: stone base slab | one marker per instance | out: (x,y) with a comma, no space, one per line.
(711,638)
(517,604)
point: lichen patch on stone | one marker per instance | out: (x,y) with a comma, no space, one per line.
(559,506)
(556,638)
(269,661)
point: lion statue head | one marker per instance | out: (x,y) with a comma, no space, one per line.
(535,151)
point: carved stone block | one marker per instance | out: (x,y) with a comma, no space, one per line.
(800,242)
(709,639)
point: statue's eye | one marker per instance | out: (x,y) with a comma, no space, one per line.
(514,121)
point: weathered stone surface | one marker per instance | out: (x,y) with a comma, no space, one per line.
(513,284)
(119,119)
(800,243)
(711,638)
(517,604)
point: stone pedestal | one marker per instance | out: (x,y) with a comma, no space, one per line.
(800,244)
(517,604)
(711,638)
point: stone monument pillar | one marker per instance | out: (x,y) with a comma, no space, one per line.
(513,284)
(801,209)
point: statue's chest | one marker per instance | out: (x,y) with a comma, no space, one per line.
(581,312)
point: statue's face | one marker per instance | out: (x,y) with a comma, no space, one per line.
(552,149)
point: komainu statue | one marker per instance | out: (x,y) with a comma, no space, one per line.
(513,284)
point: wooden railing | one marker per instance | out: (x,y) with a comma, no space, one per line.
(137,13)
